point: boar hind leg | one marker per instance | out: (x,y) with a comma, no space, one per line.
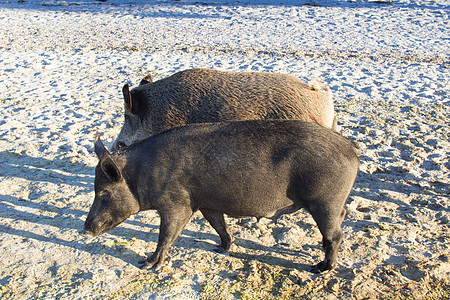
(170,229)
(217,221)
(330,226)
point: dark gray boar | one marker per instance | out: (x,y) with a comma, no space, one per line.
(204,95)
(254,168)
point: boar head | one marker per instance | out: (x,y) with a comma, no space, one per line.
(113,202)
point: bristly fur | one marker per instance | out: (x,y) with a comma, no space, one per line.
(204,95)
(255,168)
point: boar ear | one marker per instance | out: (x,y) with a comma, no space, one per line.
(110,169)
(146,79)
(100,149)
(136,104)
(107,163)
(127,97)
(133,103)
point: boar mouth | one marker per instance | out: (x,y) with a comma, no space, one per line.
(87,234)
(97,229)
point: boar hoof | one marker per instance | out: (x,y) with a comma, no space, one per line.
(145,260)
(146,266)
(151,262)
(321,267)
(220,250)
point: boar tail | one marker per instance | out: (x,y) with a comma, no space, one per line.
(327,100)
(356,148)
(315,120)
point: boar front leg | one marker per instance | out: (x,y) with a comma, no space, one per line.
(217,221)
(172,223)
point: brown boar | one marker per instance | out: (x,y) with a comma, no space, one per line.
(204,95)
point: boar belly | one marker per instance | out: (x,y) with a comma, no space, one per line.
(248,204)
(262,213)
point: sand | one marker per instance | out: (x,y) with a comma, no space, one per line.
(62,67)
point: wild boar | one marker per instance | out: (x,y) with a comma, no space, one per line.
(259,168)
(204,95)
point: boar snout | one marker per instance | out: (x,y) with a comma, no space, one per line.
(86,233)
(90,230)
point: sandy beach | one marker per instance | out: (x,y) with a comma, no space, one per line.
(62,67)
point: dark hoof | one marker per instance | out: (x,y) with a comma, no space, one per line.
(143,261)
(145,266)
(314,270)
(320,267)
(148,263)
(220,250)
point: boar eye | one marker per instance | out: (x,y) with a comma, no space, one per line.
(106,202)
(105,197)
